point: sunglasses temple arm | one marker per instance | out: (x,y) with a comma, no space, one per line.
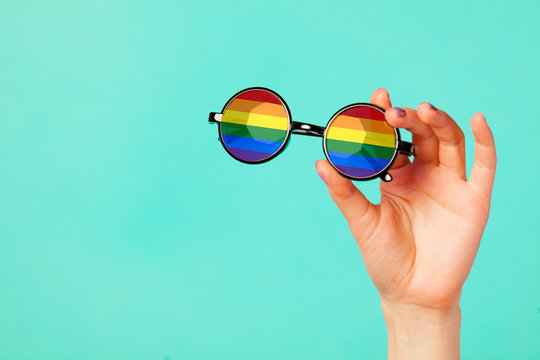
(307,129)
(214,117)
(406,148)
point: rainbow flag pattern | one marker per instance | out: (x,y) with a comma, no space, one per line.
(359,141)
(254,125)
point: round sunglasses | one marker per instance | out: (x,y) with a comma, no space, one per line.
(255,126)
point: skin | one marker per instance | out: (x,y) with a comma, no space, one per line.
(419,243)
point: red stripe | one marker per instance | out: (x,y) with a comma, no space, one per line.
(364,112)
(260,95)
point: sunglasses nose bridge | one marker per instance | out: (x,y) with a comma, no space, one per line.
(307,129)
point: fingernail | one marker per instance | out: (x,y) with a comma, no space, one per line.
(399,111)
(321,175)
(431,106)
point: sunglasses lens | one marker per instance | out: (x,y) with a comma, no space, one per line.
(359,142)
(255,125)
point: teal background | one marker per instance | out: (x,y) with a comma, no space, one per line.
(127,232)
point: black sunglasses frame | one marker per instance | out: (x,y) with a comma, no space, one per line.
(295,127)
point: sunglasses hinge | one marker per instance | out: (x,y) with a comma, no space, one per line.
(406,148)
(214,117)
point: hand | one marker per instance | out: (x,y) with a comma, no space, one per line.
(419,243)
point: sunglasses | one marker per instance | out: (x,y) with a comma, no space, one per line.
(255,126)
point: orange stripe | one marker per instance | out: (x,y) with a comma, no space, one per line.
(348,122)
(256,107)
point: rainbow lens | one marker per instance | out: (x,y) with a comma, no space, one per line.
(255,125)
(359,142)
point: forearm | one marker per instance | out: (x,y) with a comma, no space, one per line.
(419,333)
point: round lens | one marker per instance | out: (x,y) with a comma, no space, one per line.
(359,142)
(255,125)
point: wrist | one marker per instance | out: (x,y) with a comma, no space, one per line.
(417,332)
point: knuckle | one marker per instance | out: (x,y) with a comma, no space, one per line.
(342,192)
(454,137)
(460,136)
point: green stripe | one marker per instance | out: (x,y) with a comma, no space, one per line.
(346,147)
(254,132)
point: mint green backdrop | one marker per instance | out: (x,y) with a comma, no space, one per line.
(127,232)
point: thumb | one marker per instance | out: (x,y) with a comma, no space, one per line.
(350,201)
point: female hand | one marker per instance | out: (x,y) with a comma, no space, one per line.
(420,242)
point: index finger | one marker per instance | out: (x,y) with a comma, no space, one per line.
(380,97)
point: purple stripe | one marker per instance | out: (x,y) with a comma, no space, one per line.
(249,155)
(357,172)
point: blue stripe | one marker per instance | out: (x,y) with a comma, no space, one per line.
(357,172)
(358,161)
(239,142)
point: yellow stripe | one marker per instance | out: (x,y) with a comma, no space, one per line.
(358,136)
(245,118)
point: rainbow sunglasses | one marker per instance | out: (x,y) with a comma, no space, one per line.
(255,126)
